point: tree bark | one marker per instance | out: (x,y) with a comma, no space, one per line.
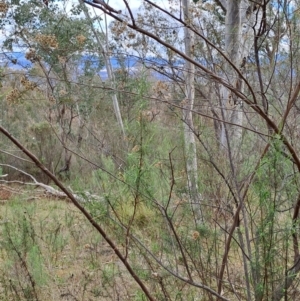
(188,105)
(232,48)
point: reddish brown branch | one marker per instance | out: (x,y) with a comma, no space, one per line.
(236,220)
(81,208)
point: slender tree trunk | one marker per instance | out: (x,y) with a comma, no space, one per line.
(104,53)
(188,104)
(241,16)
(230,107)
(239,38)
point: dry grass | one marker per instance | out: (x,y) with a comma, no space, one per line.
(70,261)
(5,193)
(48,251)
(51,242)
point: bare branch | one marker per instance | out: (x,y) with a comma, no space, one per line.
(106,6)
(82,209)
(222,4)
(17,157)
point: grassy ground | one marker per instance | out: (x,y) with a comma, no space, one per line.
(50,252)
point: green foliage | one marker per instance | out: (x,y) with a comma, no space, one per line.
(273,190)
(36,262)
(23,253)
(140,296)
(138,213)
(135,186)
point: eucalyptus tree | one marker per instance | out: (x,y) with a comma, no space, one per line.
(187,108)
(244,61)
(60,51)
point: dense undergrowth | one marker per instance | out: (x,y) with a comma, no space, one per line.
(50,252)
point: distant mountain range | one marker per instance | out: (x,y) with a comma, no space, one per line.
(17,61)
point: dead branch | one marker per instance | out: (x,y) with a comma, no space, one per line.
(83,197)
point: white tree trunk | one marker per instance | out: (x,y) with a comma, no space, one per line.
(188,104)
(232,45)
(104,53)
(239,39)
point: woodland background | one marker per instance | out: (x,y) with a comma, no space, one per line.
(175,177)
